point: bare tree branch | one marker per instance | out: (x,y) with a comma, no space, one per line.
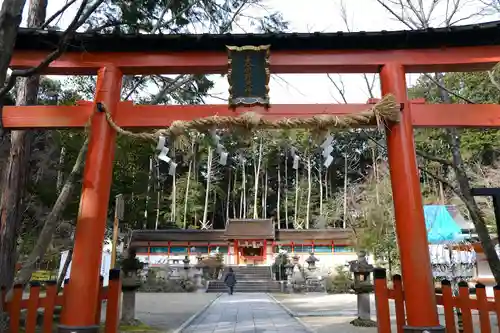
(80,18)
(56,14)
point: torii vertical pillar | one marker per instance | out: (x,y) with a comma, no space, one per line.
(420,299)
(82,292)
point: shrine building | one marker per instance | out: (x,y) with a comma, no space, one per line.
(243,242)
(257,241)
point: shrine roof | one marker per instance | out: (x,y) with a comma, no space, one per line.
(468,35)
(249,229)
(142,237)
(192,235)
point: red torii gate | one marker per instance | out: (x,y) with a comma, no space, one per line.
(392,54)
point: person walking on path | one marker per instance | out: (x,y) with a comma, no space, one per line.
(230,280)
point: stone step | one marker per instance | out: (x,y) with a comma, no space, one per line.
(261,288)
(253,276)
(249,290)
(246,283)
(246,286)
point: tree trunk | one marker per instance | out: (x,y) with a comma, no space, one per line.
(309,188)
(256,181)
(228,195)
(467,198)
(344,220)
(244,190)
(264,198)
(234,191)
(296,216)
(207,190)
(10,19)
(16,172)
(320,183)
(158,191)
(286,189)
(278,200)
(174,199)
(60,172)
(148,190)
(186,197)
(52,221)
(470,202)
(375,175)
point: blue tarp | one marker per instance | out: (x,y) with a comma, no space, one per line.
(441,227)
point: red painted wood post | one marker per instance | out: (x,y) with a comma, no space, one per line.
(32,308)
(83,291)
(496,291)
(465,307)
(399,302)
(449,308)
(484,314)
(114,301)
(420,298)
(99,301)
(382,301)
(64,299)
(50,304)
(14,308)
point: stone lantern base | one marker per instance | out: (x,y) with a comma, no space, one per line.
(363,322)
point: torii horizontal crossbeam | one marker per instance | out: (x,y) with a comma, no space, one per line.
(334,61)
(130,116)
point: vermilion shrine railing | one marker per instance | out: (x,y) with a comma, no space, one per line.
(49,301)
(461,313)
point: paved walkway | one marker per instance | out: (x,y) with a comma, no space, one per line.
(245,313)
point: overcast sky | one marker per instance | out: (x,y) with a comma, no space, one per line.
(323,16)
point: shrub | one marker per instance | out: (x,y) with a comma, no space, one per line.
(340,282)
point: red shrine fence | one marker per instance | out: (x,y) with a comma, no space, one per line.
(25,315)
(464,312)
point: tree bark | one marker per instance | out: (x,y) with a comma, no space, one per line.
(10,19)
(467,197)
(16,172)
(204,222)
(52,221)
(278,200)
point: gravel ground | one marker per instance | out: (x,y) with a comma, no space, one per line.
(168,311)
(324,313)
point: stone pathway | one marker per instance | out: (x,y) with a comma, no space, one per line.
(245,313)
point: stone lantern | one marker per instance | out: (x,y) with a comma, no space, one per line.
(186,262)
(199,258)
(362,286)
(311,262)
(198,272)
(186,266)
(130,268)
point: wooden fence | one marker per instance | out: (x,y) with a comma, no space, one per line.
(464,303)
(51,299)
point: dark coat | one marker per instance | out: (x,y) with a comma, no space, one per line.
(230,279)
